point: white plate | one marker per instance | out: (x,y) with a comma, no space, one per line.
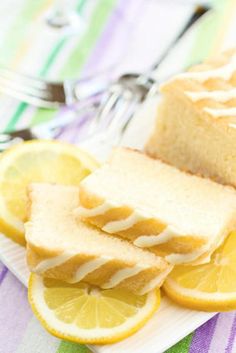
(171,323)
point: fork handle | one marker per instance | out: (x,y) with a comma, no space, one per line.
(197,13)
(87,88)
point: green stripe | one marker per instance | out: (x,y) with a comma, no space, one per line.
(85,46)
(46,114)
(69,347)
(59,46)
(23,106)
(80,7)
(74,67)
(52,57)
(182,346)
(19,29)
(82,51)
(42,116)
(18,112)
(207,33)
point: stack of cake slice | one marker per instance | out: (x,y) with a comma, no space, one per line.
(158,207)
(135,217)
(60,247)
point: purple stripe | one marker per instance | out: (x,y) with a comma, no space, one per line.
(3,273)
(203,336)
(114,43)
(15,313)
(74,130)
(222,332)
(101,52)
(67,133)
(115,21)
(231,337)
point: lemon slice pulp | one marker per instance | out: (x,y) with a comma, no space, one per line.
(36,161)
(86,314)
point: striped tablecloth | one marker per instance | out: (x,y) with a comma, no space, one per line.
(117,36)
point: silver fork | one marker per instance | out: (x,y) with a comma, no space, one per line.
(114,117)
(127,93)
(110,121)
(49,94)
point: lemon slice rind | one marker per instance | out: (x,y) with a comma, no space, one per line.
(206,287)
(198,300)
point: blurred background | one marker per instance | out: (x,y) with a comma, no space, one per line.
(60,39)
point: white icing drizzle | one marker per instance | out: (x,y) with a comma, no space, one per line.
(176,259)
(93,265)
(146,241)
(155,282)
(219,96)
(218,113)
(121,275)
(169,233)
(123,224)
(113,226)
(88,267)
(92,212)
(166,235)
(224,72)
(53,262)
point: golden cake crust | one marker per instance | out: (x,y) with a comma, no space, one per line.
(180,244)
(99,277)
(65,263)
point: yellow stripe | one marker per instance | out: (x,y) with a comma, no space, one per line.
(227,18)
(26,44)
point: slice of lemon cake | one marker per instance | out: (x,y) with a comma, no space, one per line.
(156,206)
(196,121)
(60,247)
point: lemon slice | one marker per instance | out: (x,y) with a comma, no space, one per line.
(35,161)
(209,287)
(86,314)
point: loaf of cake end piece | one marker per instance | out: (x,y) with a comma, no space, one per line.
(60,247)
(157,207)
(196,120)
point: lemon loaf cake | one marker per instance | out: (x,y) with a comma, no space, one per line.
(196,121)
(158,207)
(60,247)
